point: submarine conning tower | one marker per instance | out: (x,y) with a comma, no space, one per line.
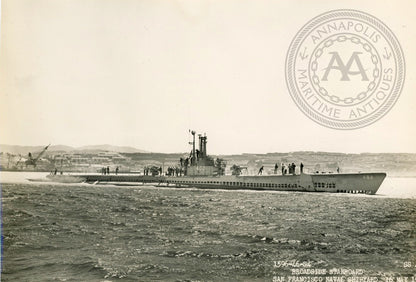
(201,164)
(198,156)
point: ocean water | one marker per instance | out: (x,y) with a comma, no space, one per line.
(82,232)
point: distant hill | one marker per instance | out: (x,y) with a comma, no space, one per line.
(106,147)
(24,150)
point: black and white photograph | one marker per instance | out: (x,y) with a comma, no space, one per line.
(205,140)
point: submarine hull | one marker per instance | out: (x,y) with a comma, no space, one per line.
(366,183)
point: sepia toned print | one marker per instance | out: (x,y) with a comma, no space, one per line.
(208,140)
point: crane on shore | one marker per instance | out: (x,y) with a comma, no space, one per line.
(32,160)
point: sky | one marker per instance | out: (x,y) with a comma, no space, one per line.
(142,73)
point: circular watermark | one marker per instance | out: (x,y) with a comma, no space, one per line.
(345,69)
